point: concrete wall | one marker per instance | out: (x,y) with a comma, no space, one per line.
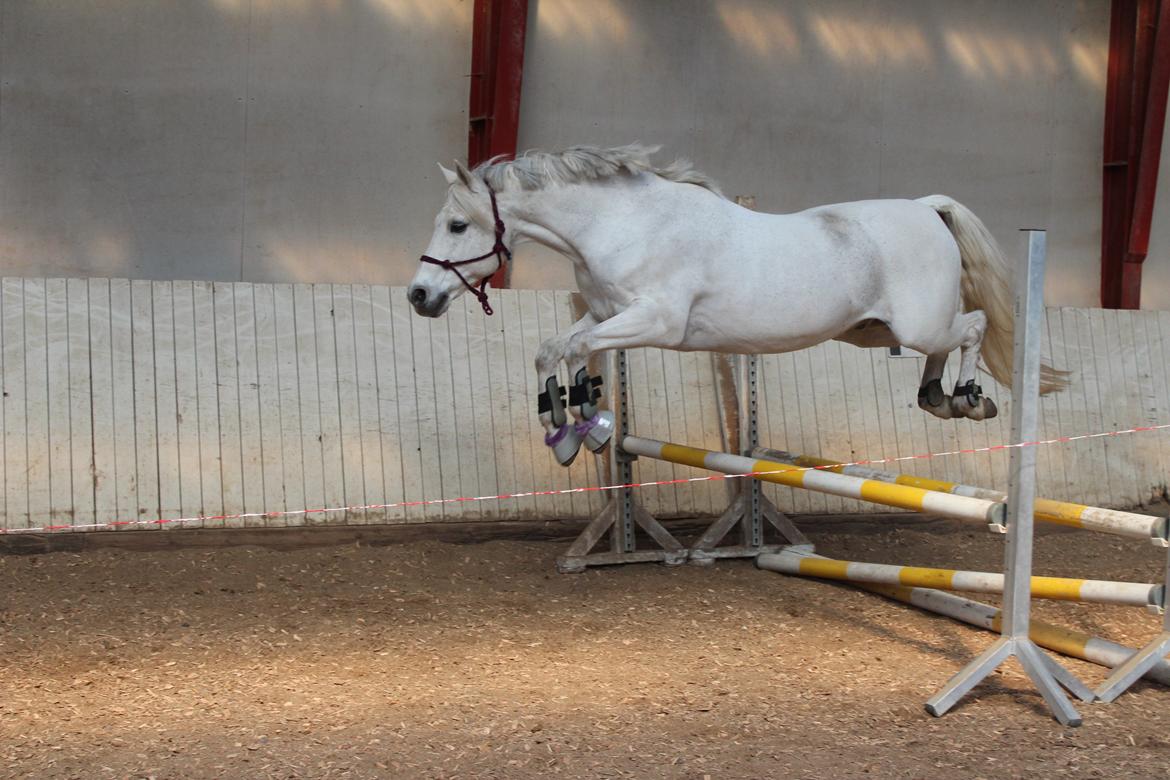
(997,104)
(226,139)
(260,140)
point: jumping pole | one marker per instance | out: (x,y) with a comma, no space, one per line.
(1092,518)
(1130,594)
(1046,674)
(1066,641)
(966,508)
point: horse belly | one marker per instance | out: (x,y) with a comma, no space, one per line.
(769,324)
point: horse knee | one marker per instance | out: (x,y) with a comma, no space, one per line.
(548,355)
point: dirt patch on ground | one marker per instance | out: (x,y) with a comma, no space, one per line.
(441,660)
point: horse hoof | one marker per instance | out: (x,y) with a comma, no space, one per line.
(565,442)
(943,411)
(986,410)
(597,430)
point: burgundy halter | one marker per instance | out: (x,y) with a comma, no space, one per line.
(500,251)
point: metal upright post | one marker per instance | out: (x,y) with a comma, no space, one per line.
(753,530)
(622,538)
(749,508)
(623,515)
(1046,674)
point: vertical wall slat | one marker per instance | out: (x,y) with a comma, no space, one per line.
(56,388)
(15,399)
(450,442)
(125,421)
(1134,383)
(1091,421)
(366,384)
(353,477)
(705,399)
(288,392)
(80,402)
(516,379)
(1159,410)
(204,402)
(222,405)
(248,383)
(472,408)
(1064,412)
(333,457)
(500,412)
(543,464)
(146,427)
(408,400)
(166,400)
(268,382)
(190,465)
(37,403)
(386,362)
(665,402)
(310,402)
(789,435)
(101,377)
(1054,479)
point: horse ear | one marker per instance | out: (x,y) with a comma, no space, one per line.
(448,174)
(463,173)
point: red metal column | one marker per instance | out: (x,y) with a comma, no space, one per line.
(1135,114)
(497,68)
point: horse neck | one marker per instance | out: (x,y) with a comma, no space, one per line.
(579,220)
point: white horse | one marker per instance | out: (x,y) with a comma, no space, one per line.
(664,260)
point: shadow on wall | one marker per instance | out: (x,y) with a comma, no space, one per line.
(295,140)
(800,104)
(227,139)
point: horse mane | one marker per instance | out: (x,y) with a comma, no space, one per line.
(535,169)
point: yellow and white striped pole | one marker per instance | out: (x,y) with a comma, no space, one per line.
(1111,521)
(1059,588)
(875,491)
(1075,644)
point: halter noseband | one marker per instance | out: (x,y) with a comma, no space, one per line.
(500,251)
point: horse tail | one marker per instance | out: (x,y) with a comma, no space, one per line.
(985,284)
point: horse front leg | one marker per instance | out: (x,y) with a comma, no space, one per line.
(644,324)
(560,435)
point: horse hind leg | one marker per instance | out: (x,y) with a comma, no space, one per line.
(968,400)
(931,396)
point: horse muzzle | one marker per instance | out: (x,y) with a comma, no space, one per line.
(426,303)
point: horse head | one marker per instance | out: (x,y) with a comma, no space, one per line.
(468,224)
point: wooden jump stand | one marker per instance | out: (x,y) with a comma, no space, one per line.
(623,515)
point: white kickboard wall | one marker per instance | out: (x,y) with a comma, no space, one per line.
(138,400)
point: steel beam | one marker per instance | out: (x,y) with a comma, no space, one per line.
(498,32)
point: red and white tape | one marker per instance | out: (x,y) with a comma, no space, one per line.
(115,524)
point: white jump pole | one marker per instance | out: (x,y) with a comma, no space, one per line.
(1130,594)
(1111,521)
(1046,674)
(966,508)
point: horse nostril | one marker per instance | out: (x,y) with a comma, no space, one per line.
(418,296)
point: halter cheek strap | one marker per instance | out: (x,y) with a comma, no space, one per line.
(502,254)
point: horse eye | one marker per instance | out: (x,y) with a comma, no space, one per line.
(457,227)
